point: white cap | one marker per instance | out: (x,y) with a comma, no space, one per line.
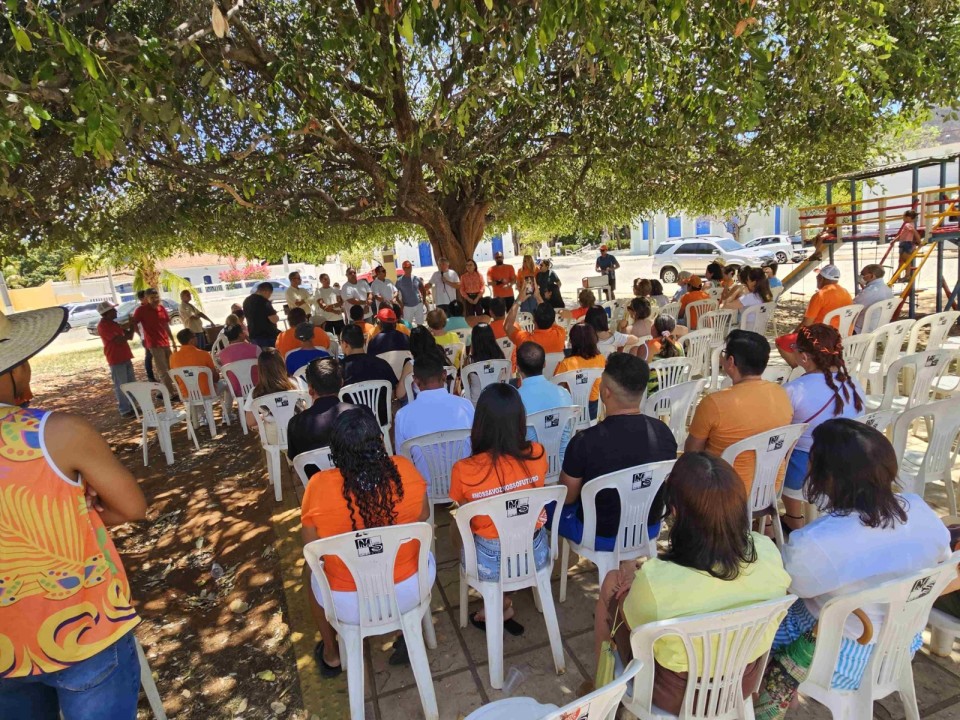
(830,272)
(104,307)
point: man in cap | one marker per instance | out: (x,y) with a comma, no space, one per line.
(190,356)
(444,284)
(502,277)
(413,295)
(694,293)
(389,338)
(307,352)
(607,265)
(116,348)
(828,297)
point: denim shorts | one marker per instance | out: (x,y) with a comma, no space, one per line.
(488,554)
(796,475)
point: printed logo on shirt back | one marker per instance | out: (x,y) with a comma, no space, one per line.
(517,506)
(368,545)
(775,443)
(642,480)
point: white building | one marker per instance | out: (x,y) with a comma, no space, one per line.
(420,252)
(646,234)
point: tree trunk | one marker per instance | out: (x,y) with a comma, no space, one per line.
(456,236)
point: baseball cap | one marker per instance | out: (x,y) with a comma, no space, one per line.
(603,248)
(830,272)
(407,264)
(304,331)
(387,315)
(105,307)
(695,282)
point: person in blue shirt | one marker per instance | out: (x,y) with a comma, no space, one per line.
(538,393)
(770,270)
(307,352)
(607,265)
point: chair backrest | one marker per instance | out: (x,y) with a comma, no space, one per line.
(880,420)
(396,359)
(907,601)
(891,336)
(334,348)
(939,325)
(696,348)
(756,318)
(281,406)
(320,457)
(515,516)
(454,353)
(187,380)
(719,647)
(464,334)
(485,372)
(938,456)
(716,377)
(411,388)
(925,367)
(777,292)
(602,702)
(300,375)
(672,309)
(673,405)
(637,487)
(551,360)
(525,321)
(796,372)
(370,556)
(697,309)
(777,373)
(845,315)
(672,371)
(141,396)
(506,344)
(879,313)
(720,321)
(242,371)
(219,344)
(549,427)
(434,454)
(772,450)
(374,394)
(858,354)
(714,292)
(580,384)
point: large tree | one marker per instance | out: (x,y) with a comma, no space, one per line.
(272,125)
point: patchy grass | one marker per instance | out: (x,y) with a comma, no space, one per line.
(71,360)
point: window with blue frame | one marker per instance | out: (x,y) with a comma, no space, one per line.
(674,227)
(703,226)
(646,229)
(776,220)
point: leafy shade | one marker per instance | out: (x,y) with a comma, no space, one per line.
(309,126)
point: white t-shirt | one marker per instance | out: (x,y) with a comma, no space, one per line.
(383,288)
(190,317)
(750,299)
(808,394)
(328,296)
(354,291)
(444,294)
(298,293)
(836,554)
(616,339)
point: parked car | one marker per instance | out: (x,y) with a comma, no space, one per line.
(693,254)
(80,313)
(125,310)
(279,286)
(780,246)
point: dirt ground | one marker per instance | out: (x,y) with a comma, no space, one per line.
(221,647)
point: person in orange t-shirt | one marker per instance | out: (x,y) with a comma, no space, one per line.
(828,297)
(503,278)
(498,315)
(287,341)
(527,271)
(502,461)
(584,354)
(695,293)
(546,333)
(189,355)
(367,489)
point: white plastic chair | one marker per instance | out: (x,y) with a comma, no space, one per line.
(720,321)
(672,309)
(189,389)
(719,646)
(549,426)
(772,451)
(319,457)
(907,601)
(454,353)
(637,487)
(857,356)
(600,704)
(485,372)
(300,375)
(464,334)
(879,313)
(141,397)
(696,348)
(920,370)
(879,420)
(514,515)
(435,455)
(148,683)
(795,373)
(550,362)
(219,344)
(672,371)
(935,462)
(939,325)
(672,405)
(279,407)
(944,629)
(371,393)
(717,377)
(242,370)
(697,309)
(397,359)
(714,292)
(891,336)
(580,384)
(779,374)
(525,321)
(846,316)
(756,318)
(370,556)
(411,388)
(507,346)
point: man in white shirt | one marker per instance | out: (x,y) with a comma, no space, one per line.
(874,290)
(329,306)
(356,292)
(383,290)
(444,285)
(192,318)
(434,410)
(296,296)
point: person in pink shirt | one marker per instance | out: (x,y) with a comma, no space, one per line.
(239,349)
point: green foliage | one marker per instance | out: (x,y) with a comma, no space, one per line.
(33,267)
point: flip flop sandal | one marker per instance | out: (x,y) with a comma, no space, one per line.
(511,625)
(326,671)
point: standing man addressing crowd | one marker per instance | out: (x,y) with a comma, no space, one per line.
(296,296)
(154,324)
(608,265)
(261,318)
(116,348)
(192,318)
(444,284)
(413,295)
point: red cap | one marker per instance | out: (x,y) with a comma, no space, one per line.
(387,315)
(406,264)
(603,248)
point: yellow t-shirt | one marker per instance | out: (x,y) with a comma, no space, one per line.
(575,362)
(735,413)
(663,590)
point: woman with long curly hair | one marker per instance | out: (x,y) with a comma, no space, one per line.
(826,391)
(502,461)
(366,489)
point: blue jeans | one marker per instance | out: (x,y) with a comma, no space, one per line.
(571,528)
(120,374)
(105,687)
(264,342)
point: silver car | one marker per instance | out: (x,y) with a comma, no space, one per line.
(693,254)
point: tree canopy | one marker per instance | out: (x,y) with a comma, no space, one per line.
(262,126)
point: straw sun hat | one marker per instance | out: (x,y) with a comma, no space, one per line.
(23,335)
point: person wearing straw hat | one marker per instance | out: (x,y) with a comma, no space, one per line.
(66,614)
(116,348)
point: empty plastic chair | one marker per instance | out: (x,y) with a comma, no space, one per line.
(434,455)
(188,382)
(397,359)
(275,410)
(756,318)
(879,313)
(696,348)
(580,384)
(939,325)
(857,355)
(846,316)
(720,321)
(935,461)
(880,420)
(142,400)
(476,376)
(370,556)
(771,450)
(907,601)
(672,371)
(319,457)
(514,515)
(695,310)
(549,427)
(242,372)
(637,487)
(891,338)
(920,372)
(550,362)
(720,641)
(376,395)
(673,406)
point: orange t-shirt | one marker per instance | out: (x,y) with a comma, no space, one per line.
(578,313)
(476,478)
(325,509)
(497,327)
(522,275)
(507,275)
(825,300)
(471,283)
(688,298)
(287,341)
(191,356)
(575,362)
(551,340)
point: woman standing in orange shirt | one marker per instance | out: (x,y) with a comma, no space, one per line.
(528,270)
(472,287)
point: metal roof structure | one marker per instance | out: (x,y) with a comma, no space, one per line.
(892,168)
